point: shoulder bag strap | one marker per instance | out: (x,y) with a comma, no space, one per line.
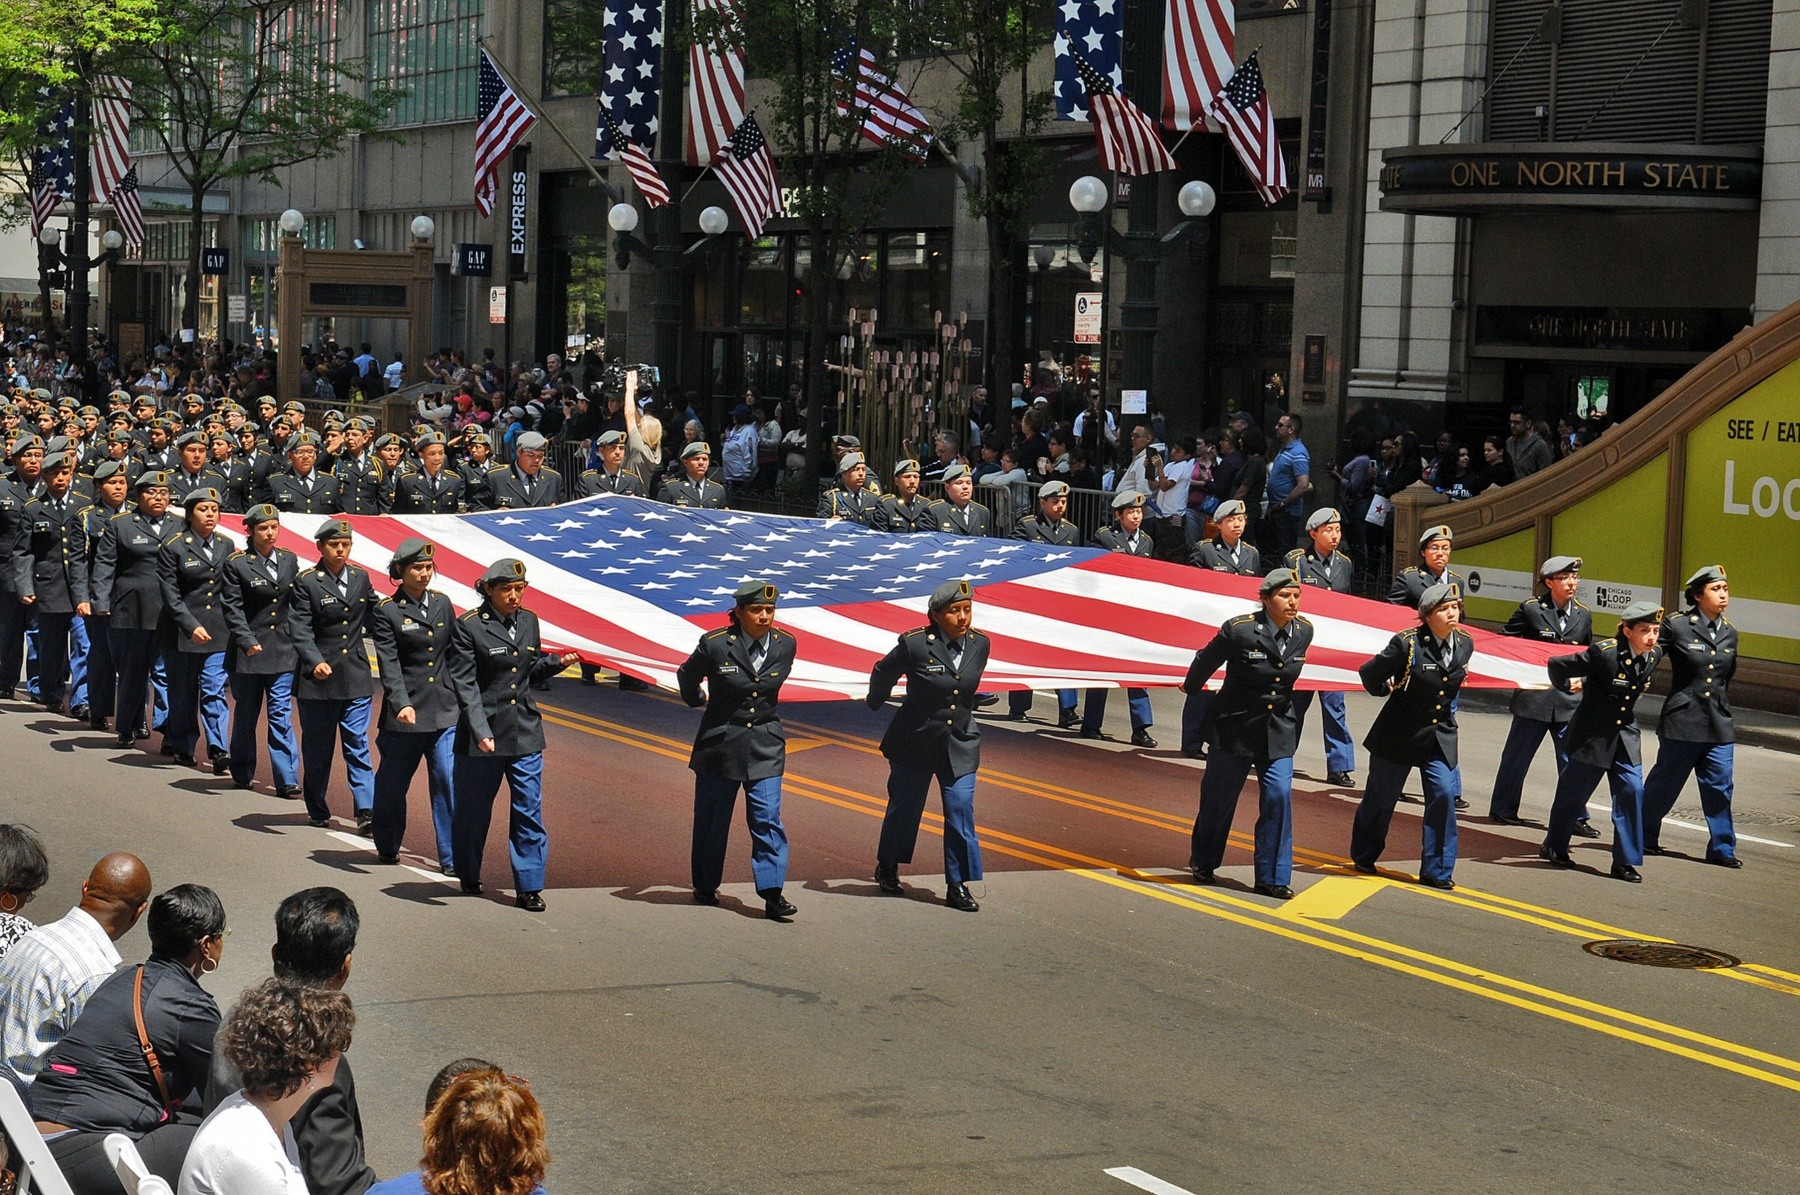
(137,1012)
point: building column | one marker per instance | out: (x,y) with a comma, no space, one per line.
(1778,244)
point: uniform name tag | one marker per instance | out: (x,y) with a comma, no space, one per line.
(727,669)
(1253,654)
(325,599)
(498,651)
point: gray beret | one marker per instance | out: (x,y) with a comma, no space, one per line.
(697,448)
(1281,578)
(56,460)
(1435,533)
(411,550)
(501,572)
(1437,595)
(303,440)
(262,512)
(846,441)
(186,438)
(612,437)
(382,441)
(1559,564)
(427,439)
(1645,611)
(1227,509)
(1127,500)
(56,444)
(205,493)
(948,594)
(26,444)
(333,529)
(1054,489)
(106,469)
(1701,579)
(531,442)
(150,479)
(849,461)
(905,466)
(955,471)
(1323,517)
(756,593)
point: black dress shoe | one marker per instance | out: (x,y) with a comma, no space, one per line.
(167,747)
(1626,872)
(887,878)
(181,757)
(1584,829)
(630,684)
(1460,804)
(221,764)
(957,897)
(381,858)
(710,899)
(531,902)
(80,713)
(1367,869)
(126,740)
(776,907)
(245,783)
(1341,779)
(448,869)
(1499,820)
(1731,861)
(1012,717)
(1196,753)
(365,823)
(983,700)
(285,793)
(1141,738)
(1091,734)
(1067,720)
(318,823)
(1202,875)
(1278,891)
(1555,858)
(142,733)
(99,724)
(1652,849)
(470,887)
(1440,885)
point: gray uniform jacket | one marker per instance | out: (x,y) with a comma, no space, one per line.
(1699,708)
(507,489)
(599,481)
(1418,720)
(258,609)
(1253,712)
(362,485)
(1334,574)
(855,505)
(193,583)
(329,622)
(125,581)
(1413,581)
(740,736)
(412,644)
(896,514)
(1213,554)
(1536,619)
(973,519)
(683,492)
(476,494)
(1114,540)
(494,671)
(287,492)
(417,494)
(934,730)
(182,483)
(1033,529)
(13,499)
(52,559)
(1606,718)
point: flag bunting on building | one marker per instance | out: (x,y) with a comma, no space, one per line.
(888,116)
(1199,48)
(632,584)
(1126,138)
(631,92)
(715,96)
(502,120)
(53,161)
(112,177)
(1095,30)
(747,168)
(1242,110)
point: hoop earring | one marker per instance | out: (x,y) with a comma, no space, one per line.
(12,908)
(208,965)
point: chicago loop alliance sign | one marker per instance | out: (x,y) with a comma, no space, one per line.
(1457,179)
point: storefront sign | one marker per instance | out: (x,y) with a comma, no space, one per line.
(1087,317)
(1316,191)
(215,260)
(519,203)
(365,295)
(237,308)
(496,304)
(473,261)
(1589,329)
(1464,177)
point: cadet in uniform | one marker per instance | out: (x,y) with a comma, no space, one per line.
(852,497)
(332,605)
(904,511)
(191,569)
(234,474)
(474,467)
(1419,672)
(15,493)
(191,471)
(1047,526)
(1128,537)
(1227,552)
(1326,567)
(495,655)
(1553,617)
(303,490)
(433,489)
(127,590)
(418,701)
(362,482)
(957,511)
(95,680)
(1602,737)
(694,488)
(1696,734)
(1433,569)
(934,733)
(526,482)
(612,477)
(50,575)
(740,744)
(259,595)
(1253,726)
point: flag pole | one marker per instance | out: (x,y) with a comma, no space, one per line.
(1185,134)
(704,171)
(537,110)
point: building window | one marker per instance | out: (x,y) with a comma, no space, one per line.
(304,35)
(430,48)
(172,240)
(573,35)
(1282,252)
(262,238)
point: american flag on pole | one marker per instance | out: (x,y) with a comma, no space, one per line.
(610,142)
(1242,110)
(631,584)
(747,168)
(631,92)
(715,97)
(128,208)
(1095,31)
(52,162)
(113,178)
(502,120)
(1199,47)
(889,117)
(1128,142)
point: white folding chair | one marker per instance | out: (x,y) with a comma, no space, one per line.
(37,1169)
(133,1174)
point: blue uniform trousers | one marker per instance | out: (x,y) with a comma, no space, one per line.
(80,648)
(907,790)
(1340,748)
(1219,790)
(1522,742)
(159,689)
(1194,710)
(134,650)
(1019,701)
(197,697)
(99,685)
(714,799)
(31,651)
(401,752)
(1368,835)
(1577,783)
(324,723)
(1093,710)
(248,692)
(53,657)
(477,781)
(1710,764)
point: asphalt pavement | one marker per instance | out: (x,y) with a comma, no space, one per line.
(1100,1014)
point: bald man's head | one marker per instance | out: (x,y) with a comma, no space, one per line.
(117,892)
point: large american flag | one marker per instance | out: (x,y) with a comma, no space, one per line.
(631,92)
(1242,109)
(502,120)
(1199,47)
(609,141)
(1095,30)
(888,116)
(52,162)
(1126,139)
(631,584)
(113,178)
(747,169)
(715,96)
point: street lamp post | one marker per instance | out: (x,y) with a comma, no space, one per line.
(70,255)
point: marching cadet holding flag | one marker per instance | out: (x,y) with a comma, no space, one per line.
(1047,526)
(1419,672)
(612,477)
(694,487)
(933,734)
(1433,569)
(433,489)
(1326,567)
(1126,535)
(259,595)
(740,744)
(1228,552)
(527,482)
(192,570)
(904,511)
(1696,734)
(957,511)
(851,498)
(1602,737)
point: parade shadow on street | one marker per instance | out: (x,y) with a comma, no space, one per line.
(420,892)
(271,823)
(352,861)
(663,894)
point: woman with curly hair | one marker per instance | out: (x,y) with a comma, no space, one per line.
(484,1135)
(286,1038)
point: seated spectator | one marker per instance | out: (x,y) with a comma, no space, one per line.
(286,1040)
(23,870)
(484,1135)
(47,978)
(1496,466)
(107,1076)
(315,936)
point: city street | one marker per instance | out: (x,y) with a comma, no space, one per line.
(1101,1012)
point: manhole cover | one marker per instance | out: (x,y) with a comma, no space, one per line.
(1661,954)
